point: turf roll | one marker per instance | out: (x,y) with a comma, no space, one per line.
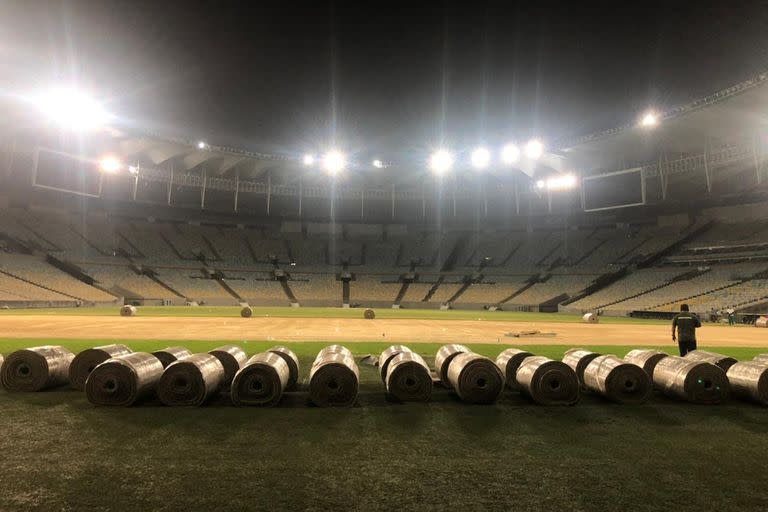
(645,359)
(233,358)
(408,378)
(84,362)
(128,310)
(261,381)
(548,382)
(508,362)
(293,365)
(172,354)
(443,359)
(690,380)
(761,358)
(334,378)
(720,360)
(191,381)
(749,381)
(369,314)
(124,380)
(618,380)
(246,312)
(578,359)
(387,355)
(37,368)
(475,378)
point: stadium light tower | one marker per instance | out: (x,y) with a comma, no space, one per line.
(534,149)
(510,154)
(334,162)
(441,161)
(649,120)
(71,109)
(481,158)
(309,160)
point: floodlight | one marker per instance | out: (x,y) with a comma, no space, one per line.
(334,161)
(534,149)
(110,164)
(510,154)
(649,120)
(309,160)
(441,161)
(71,109)
(133,169)
(562,182)
(481,157)
(541,184)
(378,164)
(201,145)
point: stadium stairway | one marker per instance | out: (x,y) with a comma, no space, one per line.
(530,282)
(39,285)
(401,293)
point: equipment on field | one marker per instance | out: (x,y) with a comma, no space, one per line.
(645,359)
(124,380)
(578,359)
(128,310)
(84,362)
(171,354)
(548,382)
(720,360)
(618,380)
(334,378)
(246,312)
(590,318)
(408,378)
(762,322)
(749,381)
(369,314)
(233,358)
(191,381)
(387,355)
(694,381)
(261,381)
(508,362)
(475,378)
(443,359)
(37,368)
(293,365)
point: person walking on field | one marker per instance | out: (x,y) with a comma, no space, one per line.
(684,326)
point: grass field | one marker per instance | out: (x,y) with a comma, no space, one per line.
(61,453)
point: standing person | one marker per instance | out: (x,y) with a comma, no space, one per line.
(685,323)
(731,316)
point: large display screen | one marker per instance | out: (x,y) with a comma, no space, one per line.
(613,190)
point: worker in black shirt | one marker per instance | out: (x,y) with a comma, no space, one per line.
(685,323)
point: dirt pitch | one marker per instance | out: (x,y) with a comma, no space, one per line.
(351,330)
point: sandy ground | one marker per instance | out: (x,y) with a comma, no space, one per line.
(350,330)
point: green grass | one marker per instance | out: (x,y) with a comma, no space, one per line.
(287,312)
(59,452)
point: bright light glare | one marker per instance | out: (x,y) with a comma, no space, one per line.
(201,145)
(481,157)
(649,120)
(534,149)
(309,160)
(71,109)
(110,164)
(378,164)
(441,161)
(133,169)
(562,182)
(541,184)
(334,161)
(510,154)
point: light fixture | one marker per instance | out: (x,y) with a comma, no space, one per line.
(378,164)
(110,164)
(309,160)
(441,161)
(201,145)
(559,182)
(133,169)
(649,119)
(334,161)
(541,184)
(481,157)
(71,109)
(534,149)
(510,154)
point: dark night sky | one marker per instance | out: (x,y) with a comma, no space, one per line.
(263,75)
